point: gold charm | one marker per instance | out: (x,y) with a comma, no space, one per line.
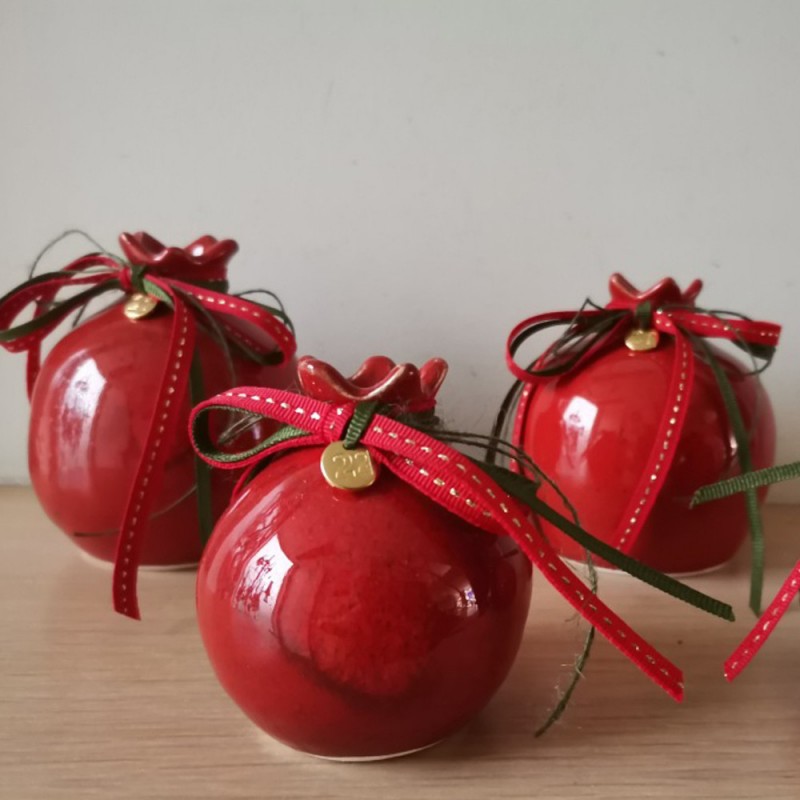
(139,305)
(347,469)
(639,340)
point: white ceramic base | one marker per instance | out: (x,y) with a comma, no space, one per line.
(614,571)
(109,565)
(355,759)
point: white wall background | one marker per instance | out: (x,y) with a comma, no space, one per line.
(415,177)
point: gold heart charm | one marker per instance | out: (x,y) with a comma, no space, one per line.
(640,341)
(347,469)
(139,305)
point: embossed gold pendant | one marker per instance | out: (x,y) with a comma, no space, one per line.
(139,305)
(347,469)
(640,340)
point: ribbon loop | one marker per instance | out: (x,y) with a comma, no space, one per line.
(587,331)
(131,278)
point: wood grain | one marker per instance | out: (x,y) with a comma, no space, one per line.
(93,705)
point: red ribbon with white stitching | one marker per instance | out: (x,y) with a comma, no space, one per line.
(107,273)
(676,323)
(766,624)
(454,482)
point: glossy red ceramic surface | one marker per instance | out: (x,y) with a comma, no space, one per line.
(206,258)
(378,378)
(90,412)
(356,624)
(592,431)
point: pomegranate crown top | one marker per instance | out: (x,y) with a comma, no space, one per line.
(666,292)
(205,256)
(378,378)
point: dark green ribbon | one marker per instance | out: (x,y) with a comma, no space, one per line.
(746,463)
(747,482)
(359,422)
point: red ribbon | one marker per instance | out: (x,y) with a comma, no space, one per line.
(676,323)
(454,482)
(99,270)
(766,624)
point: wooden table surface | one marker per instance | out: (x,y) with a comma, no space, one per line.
(94,705)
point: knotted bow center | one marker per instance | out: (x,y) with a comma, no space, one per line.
(131,278)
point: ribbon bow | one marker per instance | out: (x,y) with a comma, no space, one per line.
(638,319)
(189,282)
(445,476)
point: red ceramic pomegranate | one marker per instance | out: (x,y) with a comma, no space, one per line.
(594,428)
(357,625)
(91,408)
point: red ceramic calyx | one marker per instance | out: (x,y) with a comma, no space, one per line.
(91,409)
(665,293)
(358,624)
(205,258)
(593,431)
(378,378)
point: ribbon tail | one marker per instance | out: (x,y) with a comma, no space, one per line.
(598,547)
(33,364)
(471,494)
(746,466)
(665,444)
(757,339)
(658,668)
(34,359)
(202,472)
(765,626)
(749,480)
(161,434)
(520,422)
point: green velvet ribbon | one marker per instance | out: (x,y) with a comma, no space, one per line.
(746,463)
(746,482)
